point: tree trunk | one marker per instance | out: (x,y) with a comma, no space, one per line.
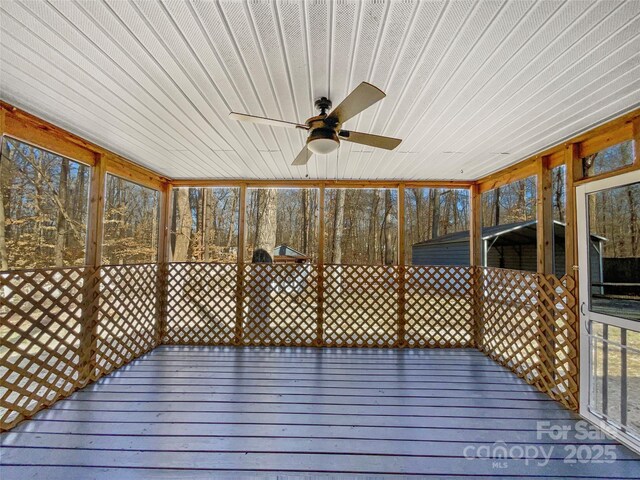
(633,221)
(434,195)
(338,226)
(61,230)
(388,229)
(233,215)
(266,220)
(496,208)
(182,225)
(4,260)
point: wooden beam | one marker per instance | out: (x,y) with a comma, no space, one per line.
(319,183)
(606,139)
(572,160)
(544,215)
(134,173)
(508,175)
(607,134)
(34,130)
(40,134)
(475,227)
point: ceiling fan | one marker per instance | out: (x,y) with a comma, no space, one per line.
(325,130)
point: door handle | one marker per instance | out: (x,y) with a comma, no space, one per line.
(582,308)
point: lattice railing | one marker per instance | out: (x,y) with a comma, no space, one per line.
(61,328)
(527,322)
(439,306)
(361,305)
(279,305)
(128,318)
(201,304)
(40,335)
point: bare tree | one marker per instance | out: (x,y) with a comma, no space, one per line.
(266,218)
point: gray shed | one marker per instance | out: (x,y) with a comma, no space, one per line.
(504,246)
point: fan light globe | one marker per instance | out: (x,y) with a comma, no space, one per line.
(322,146)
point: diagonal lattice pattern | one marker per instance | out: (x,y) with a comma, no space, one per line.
(40,333)
(361,305)
(129,314)
(439,306)
(64,327)
(280,304)
(201,304)
(528,323)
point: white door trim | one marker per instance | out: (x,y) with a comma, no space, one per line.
(583,276)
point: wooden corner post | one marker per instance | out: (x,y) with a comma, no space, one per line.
(544,216)
(240,265)
(320,305)
(402,342)
(475,257)
(163,262)
(91,285)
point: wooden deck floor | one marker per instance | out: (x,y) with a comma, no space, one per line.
(191,412)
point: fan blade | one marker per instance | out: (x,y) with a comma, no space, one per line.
(265,121)
(377,141)
(360,99)
(303,157)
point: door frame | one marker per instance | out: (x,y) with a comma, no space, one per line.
(583,308)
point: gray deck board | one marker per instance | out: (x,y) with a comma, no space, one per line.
(194,412)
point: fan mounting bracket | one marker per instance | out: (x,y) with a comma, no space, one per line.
(323,104)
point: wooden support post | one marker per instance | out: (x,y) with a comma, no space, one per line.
(544,215)
(475,233)
(91,286)
(164,231)
(401,269)
(636,141)
(545,234)
(241,266)
(2,120)
(320,298)
(475,260)
(573,173)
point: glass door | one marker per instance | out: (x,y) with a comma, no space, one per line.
(609,265)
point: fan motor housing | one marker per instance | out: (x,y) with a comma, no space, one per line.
(323,132)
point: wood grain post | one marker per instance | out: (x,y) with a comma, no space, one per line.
(164,232)
(475,257)
(401,342)
(544,241)
(320,292)
(91,284)
(544,216)
(241,266)
(573,173)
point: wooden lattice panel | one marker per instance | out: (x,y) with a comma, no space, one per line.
(201,304)
(40,332)
(439,306)
(361,305)
(128,316)
(280,304)
(528,324)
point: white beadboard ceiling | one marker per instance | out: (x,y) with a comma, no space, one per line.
(472,86)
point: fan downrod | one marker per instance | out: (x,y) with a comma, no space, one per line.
(323,104)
